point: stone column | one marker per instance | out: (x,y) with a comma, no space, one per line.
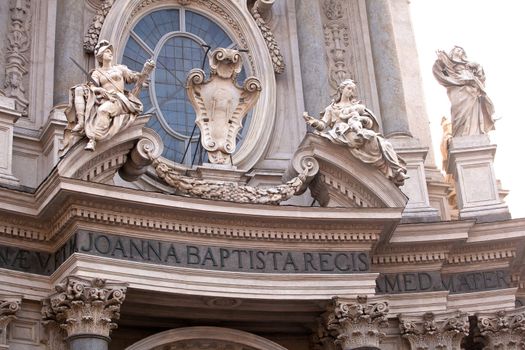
(86,309)
(387,69)
(69,39)
(353,324)
(434,331)
(9,305)
(314,69)
(471,164)
(8,117)
(503,330)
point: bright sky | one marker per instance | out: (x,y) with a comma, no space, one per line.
(492,34)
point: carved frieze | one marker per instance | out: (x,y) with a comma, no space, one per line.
(18,45)
(432,331)
(82,306)
(503,329)
(355,324)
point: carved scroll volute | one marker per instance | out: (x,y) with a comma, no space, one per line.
(431,331)
(9,306)
(220,104)
(85,307)
(355,324)
(503,329)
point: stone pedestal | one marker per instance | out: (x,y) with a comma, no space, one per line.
(86,309)
(418,208)
(471,163)
(220,172)
(8,117)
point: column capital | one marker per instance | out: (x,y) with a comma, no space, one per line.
(9,305)
(85,306)
(443,331)
(356,323)
(503,329)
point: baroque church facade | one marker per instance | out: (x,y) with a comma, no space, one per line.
(241,174)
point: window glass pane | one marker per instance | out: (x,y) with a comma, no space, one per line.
(152,27)
(210,32)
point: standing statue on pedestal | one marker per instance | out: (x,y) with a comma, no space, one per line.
(102,107)
(348,122)
(471,109)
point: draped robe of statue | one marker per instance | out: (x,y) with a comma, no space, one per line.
(127,106)
(471,108)
(363,138)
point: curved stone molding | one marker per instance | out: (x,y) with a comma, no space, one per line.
(82,306)
(172,338)
(503,329)
(434,331)
(9,306)
(139,159)
(355,324)
(232,16)
(342,180)
(257,11)
(18,45)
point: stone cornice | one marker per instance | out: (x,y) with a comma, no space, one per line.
(61,203)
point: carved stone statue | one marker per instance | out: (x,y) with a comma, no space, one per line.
(102,107)
(348,122)
(471,109)
(220,104)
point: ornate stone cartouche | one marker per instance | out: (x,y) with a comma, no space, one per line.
(220,104)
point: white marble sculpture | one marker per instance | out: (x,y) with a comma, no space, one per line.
(471,109)
(220,104)
(102,107)
(348,122)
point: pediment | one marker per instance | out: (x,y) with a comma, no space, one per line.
(341,180)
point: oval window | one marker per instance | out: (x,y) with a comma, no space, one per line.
(178,41)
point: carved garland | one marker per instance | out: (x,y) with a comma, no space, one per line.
(227,190)
(92,36)
(18,44)
(269,38)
